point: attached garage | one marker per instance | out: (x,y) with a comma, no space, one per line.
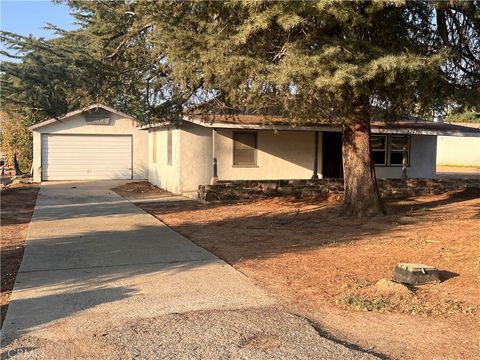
(93,143)
(76,157)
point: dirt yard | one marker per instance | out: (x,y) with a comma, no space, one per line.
(326,267)
(17,203)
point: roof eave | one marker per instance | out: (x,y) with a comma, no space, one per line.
(403,131)
(426,132)
(155,125)
(262,126)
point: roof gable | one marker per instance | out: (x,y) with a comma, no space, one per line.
(77,112)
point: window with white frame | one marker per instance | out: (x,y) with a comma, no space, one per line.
(389,150)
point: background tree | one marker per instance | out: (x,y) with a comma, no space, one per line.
(466,116)
(48,79)
(15,143)
(458,31)
(124,35)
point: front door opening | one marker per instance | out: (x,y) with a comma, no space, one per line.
(332,160)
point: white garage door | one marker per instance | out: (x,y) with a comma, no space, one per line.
(79,157)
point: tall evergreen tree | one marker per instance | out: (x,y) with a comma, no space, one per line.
(48,79)
(124,34)
(316,61)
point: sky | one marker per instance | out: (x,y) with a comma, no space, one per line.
(28,17)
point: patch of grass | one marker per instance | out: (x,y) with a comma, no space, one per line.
(368,299)
(361,301)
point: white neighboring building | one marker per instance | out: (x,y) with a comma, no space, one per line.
(96,142)
(245,148)
(459,151)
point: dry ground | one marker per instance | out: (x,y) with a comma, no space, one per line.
(459,169)
(17,203)
(326,266)
(467,172)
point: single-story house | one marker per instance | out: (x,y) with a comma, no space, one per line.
(245,147)
(96,142)
(99,142)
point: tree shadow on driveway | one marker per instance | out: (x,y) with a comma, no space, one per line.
(146,271)
(43,309)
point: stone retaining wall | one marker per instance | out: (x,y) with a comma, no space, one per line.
(389,188)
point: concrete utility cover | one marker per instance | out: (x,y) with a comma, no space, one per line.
(415,274)
(415,267)
(103,279)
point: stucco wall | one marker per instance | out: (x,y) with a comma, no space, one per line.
(459,151)
(423,151)
(280,155)
(160,172)
(76,125)
(196,162)
(289,155)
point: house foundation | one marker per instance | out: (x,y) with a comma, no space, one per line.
(389,188)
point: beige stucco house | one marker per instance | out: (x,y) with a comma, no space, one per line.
(96,142)
(99,142)
(244,147)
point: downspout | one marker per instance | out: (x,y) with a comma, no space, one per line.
(315,157)
(214,179)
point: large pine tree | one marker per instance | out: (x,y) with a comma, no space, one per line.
(343,61)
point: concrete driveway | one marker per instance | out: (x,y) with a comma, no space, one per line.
(103,279)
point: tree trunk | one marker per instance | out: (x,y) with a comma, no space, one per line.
(16,166)
(362,198)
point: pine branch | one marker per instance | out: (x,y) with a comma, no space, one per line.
(128,38)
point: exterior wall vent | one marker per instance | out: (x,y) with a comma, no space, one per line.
(98,117)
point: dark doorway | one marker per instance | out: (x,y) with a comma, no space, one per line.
(332,164)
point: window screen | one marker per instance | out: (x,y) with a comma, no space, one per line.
(397,142)
(169,147)
(244,148)
(379,149)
